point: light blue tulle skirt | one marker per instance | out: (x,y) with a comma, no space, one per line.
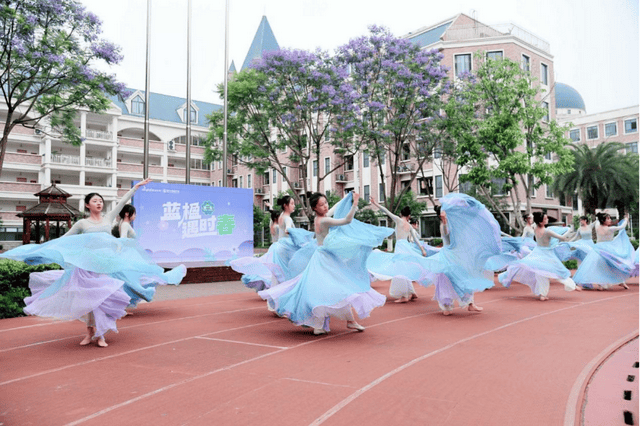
(609,263)
(101,273)
(385,266)
(273,267)
(574,250)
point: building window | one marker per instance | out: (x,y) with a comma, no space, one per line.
(137,106)
(610,129)
(381,197)
(437,150)
(526,63)
(494,55)
(240,182)
(284,173)
(365,159)
(425,186)
(315,168)
(348,162)
(275,176)
(574,135)
(545,105)
(631,125)
(406,152)
(544,74)
(249,181)
(438,186)
(367,193)
(592,132)
(220,183)
(549,192)
(327,165)
(382,157)
(497,186)
(462,64)
(266,178)
(464,187)
(574,201)
(632,147)
(194,115)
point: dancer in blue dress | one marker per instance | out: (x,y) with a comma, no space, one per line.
(145,287)
(273,267)
(96,266)
(611,261)
(335,281)
(581,245)
(398,269)
(470,236)
(542,264)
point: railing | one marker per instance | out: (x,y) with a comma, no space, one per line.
(139,143)
(29,188)
(5,216)
(20,158)
(97,162)
(470,32)
(98,134)
(65,159)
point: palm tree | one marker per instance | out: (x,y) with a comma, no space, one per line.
(623,185)
(598,178)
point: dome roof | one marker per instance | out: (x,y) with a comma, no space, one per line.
(568,97)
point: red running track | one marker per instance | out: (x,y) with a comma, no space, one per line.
(226,360)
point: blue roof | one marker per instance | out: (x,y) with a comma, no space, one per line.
(232,68)
(429,37)
(568,97)
(263,41)
(165,107)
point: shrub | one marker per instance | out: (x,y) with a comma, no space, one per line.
(435,242)
(12,302)
(634,243)
(571,264)
(14,285)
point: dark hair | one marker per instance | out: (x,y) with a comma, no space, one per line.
(525,217)
(538,217)
(437,209)
(275,214)
(127,208)
(584,218)
(315,198)
(283,201)
(602,217)
(406,211)
(413,221)
(89,197)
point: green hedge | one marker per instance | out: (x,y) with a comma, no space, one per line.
(634,243)
(14,285)
(571,264)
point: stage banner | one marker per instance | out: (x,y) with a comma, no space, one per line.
(191,223)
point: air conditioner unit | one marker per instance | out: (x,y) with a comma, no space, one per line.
(258,190)
(171,145)
(38,131)
(341,177)
(296,184)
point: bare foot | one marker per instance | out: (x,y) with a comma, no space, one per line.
(543,298)
(401,300)
(578,288)
(473,307)
(88,337)
(625,286)
(102,343)
(446,313)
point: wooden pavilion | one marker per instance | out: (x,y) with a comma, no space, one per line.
(53,207)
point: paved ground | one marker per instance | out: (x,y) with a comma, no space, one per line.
(211,354)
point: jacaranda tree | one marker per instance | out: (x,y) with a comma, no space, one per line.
(48,50)
(399,89)
(289,101)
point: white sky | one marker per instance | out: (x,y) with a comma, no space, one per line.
(595,43)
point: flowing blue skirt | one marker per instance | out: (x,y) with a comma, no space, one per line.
(98,268)
(574,250)
(609,263)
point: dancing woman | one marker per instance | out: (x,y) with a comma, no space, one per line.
(95,267)
(536,269)
(335,281)
(273,267)
(611,261)
(581,245)
(385,266)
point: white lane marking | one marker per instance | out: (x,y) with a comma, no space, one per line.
(241,343)
(336,408)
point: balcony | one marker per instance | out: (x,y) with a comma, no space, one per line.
(65,159)
(138,169)
(405,168)
(98,134)
(139,144)
(481,31)
(29,188)
(20,158)
(97,162)
(10,217)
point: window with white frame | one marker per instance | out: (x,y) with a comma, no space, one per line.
(631,147)
(631,125)
(462,64)
(266,178)
(592,132)
(137,106)
(220,183)
(381,197)
(240,182)
(526,63)
(549,191)
(574,135)
(194,115)
(438,186)
(327,165)
(367,193)
(611,129)
(315,168)
(406,152)
(497,186)
(544,74)
(494,55)
(545,105)
(365,159)
(249,181)
(284,172)
(274,175)
(348,162)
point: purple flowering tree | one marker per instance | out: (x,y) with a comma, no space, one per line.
(47,52)
(282,112)
(400,90)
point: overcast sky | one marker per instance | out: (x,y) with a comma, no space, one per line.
(595,43)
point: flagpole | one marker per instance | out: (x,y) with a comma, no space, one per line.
(188,107)
(145,169)
(226,81)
